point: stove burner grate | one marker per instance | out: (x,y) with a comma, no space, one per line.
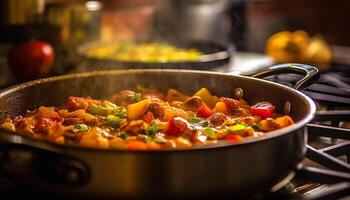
(326,171)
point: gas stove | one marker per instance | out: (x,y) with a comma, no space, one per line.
(326,170)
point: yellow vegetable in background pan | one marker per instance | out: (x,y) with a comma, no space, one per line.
(144,52)
(298,47)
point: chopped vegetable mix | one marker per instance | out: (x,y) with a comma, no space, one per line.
(148,119)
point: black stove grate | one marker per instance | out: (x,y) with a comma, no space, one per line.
(330,179)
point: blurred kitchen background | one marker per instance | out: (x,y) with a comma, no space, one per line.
(245,27)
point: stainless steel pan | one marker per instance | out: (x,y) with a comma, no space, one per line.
(250,168)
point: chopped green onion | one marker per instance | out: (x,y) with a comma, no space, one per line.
(113,121)
(120,111)
(112,118)
(81,127)
(256,126)
(208,131)
(122,135)
(205,124)
(97,109)
(194,119)
(152,129)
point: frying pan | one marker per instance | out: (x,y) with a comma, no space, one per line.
(214,55)
(249,168)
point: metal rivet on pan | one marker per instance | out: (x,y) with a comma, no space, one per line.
(238,93)
(287,107)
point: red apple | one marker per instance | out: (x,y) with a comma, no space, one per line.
(31,60)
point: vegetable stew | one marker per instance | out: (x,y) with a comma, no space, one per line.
(147,119)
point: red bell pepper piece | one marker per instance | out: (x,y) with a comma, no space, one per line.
(233,138)
(204,111)
(177,126)
(263,109)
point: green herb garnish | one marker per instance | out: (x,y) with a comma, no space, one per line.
(120,111)
(194,119)
(113,121)
(152,129)
(81,127)
(205,124)
(97,109)
(256,126)
(208,131)
(112,118)
(122,135)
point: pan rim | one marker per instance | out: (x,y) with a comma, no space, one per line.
(220,145)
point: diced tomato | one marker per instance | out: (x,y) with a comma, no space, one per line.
(148,118)
(231,104)
(204,111)
(75,103)
(136,145)
(177,126)
(262,109)
(233,138)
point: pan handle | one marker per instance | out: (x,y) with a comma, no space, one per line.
(41,167)
(311,74)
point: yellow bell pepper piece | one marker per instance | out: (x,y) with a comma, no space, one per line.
(207,97)
(136,110)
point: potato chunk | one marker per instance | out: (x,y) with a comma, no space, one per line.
(94,138)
